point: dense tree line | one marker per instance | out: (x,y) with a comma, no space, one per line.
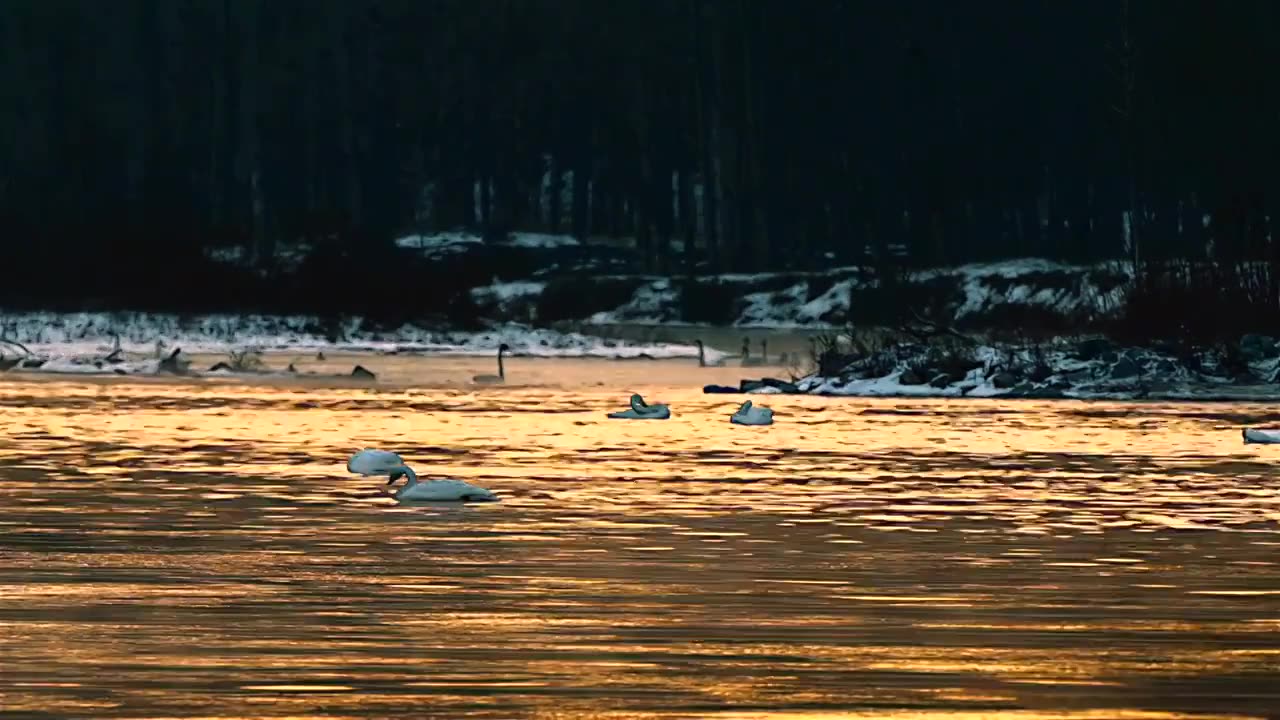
(755,134)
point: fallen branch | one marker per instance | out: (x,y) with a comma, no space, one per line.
(16,344)
(933,329)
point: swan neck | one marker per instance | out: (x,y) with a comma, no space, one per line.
(501,372)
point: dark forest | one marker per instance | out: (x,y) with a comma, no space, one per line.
(756,135)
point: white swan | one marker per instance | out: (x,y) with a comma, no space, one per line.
(383,462)
(640,410)
(501,377)
(1261,437)
(702,357)
(749,415)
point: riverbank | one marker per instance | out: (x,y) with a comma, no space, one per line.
(979,295)
(1091,368)
(153,335)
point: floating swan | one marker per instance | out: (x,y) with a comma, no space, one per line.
(1261,437)
(702,356)
(501,377)
(640,410)
(383,462)
(749,415)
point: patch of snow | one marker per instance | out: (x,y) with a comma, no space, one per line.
(887,386)
(78,366)
(78,335)
(231,255)
(451,243)
(289,256)
(506,292)
(1111,373)
(827,306)
(437,244)
(652,303)
(773,309)
(1081,297)
(540,240)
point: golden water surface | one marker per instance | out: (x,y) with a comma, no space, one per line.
(196,550)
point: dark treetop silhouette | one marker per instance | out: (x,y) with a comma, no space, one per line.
(756,134)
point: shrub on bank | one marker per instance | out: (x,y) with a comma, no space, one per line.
(581,296)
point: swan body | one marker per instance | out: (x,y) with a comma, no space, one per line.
(702,357)
(1261,437)
(749,414)
(640,410)
(384,462)
(442,491)
(501,377)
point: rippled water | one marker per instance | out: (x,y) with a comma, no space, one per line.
(198,550)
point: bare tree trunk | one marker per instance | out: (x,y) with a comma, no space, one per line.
(218,119)
(311,116)
(556,182)
(248,166)
(756,234)
(708,137)
(140,116)
(337,13)
(717,145)
(689,217)
(1126,109)
(581,211)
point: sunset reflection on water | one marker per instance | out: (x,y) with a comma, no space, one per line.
(198,550)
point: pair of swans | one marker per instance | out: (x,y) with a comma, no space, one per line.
(382,462)
(747,413)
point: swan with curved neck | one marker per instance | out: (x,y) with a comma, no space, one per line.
(702,356)
(501,377)
(749,414)
(640,410)
(383,462)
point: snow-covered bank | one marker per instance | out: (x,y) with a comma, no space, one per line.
(87,334)
(1086,369)
(974,295)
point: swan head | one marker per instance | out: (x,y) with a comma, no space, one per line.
(745,407)
(504,348)
(402,471)
(637,403)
